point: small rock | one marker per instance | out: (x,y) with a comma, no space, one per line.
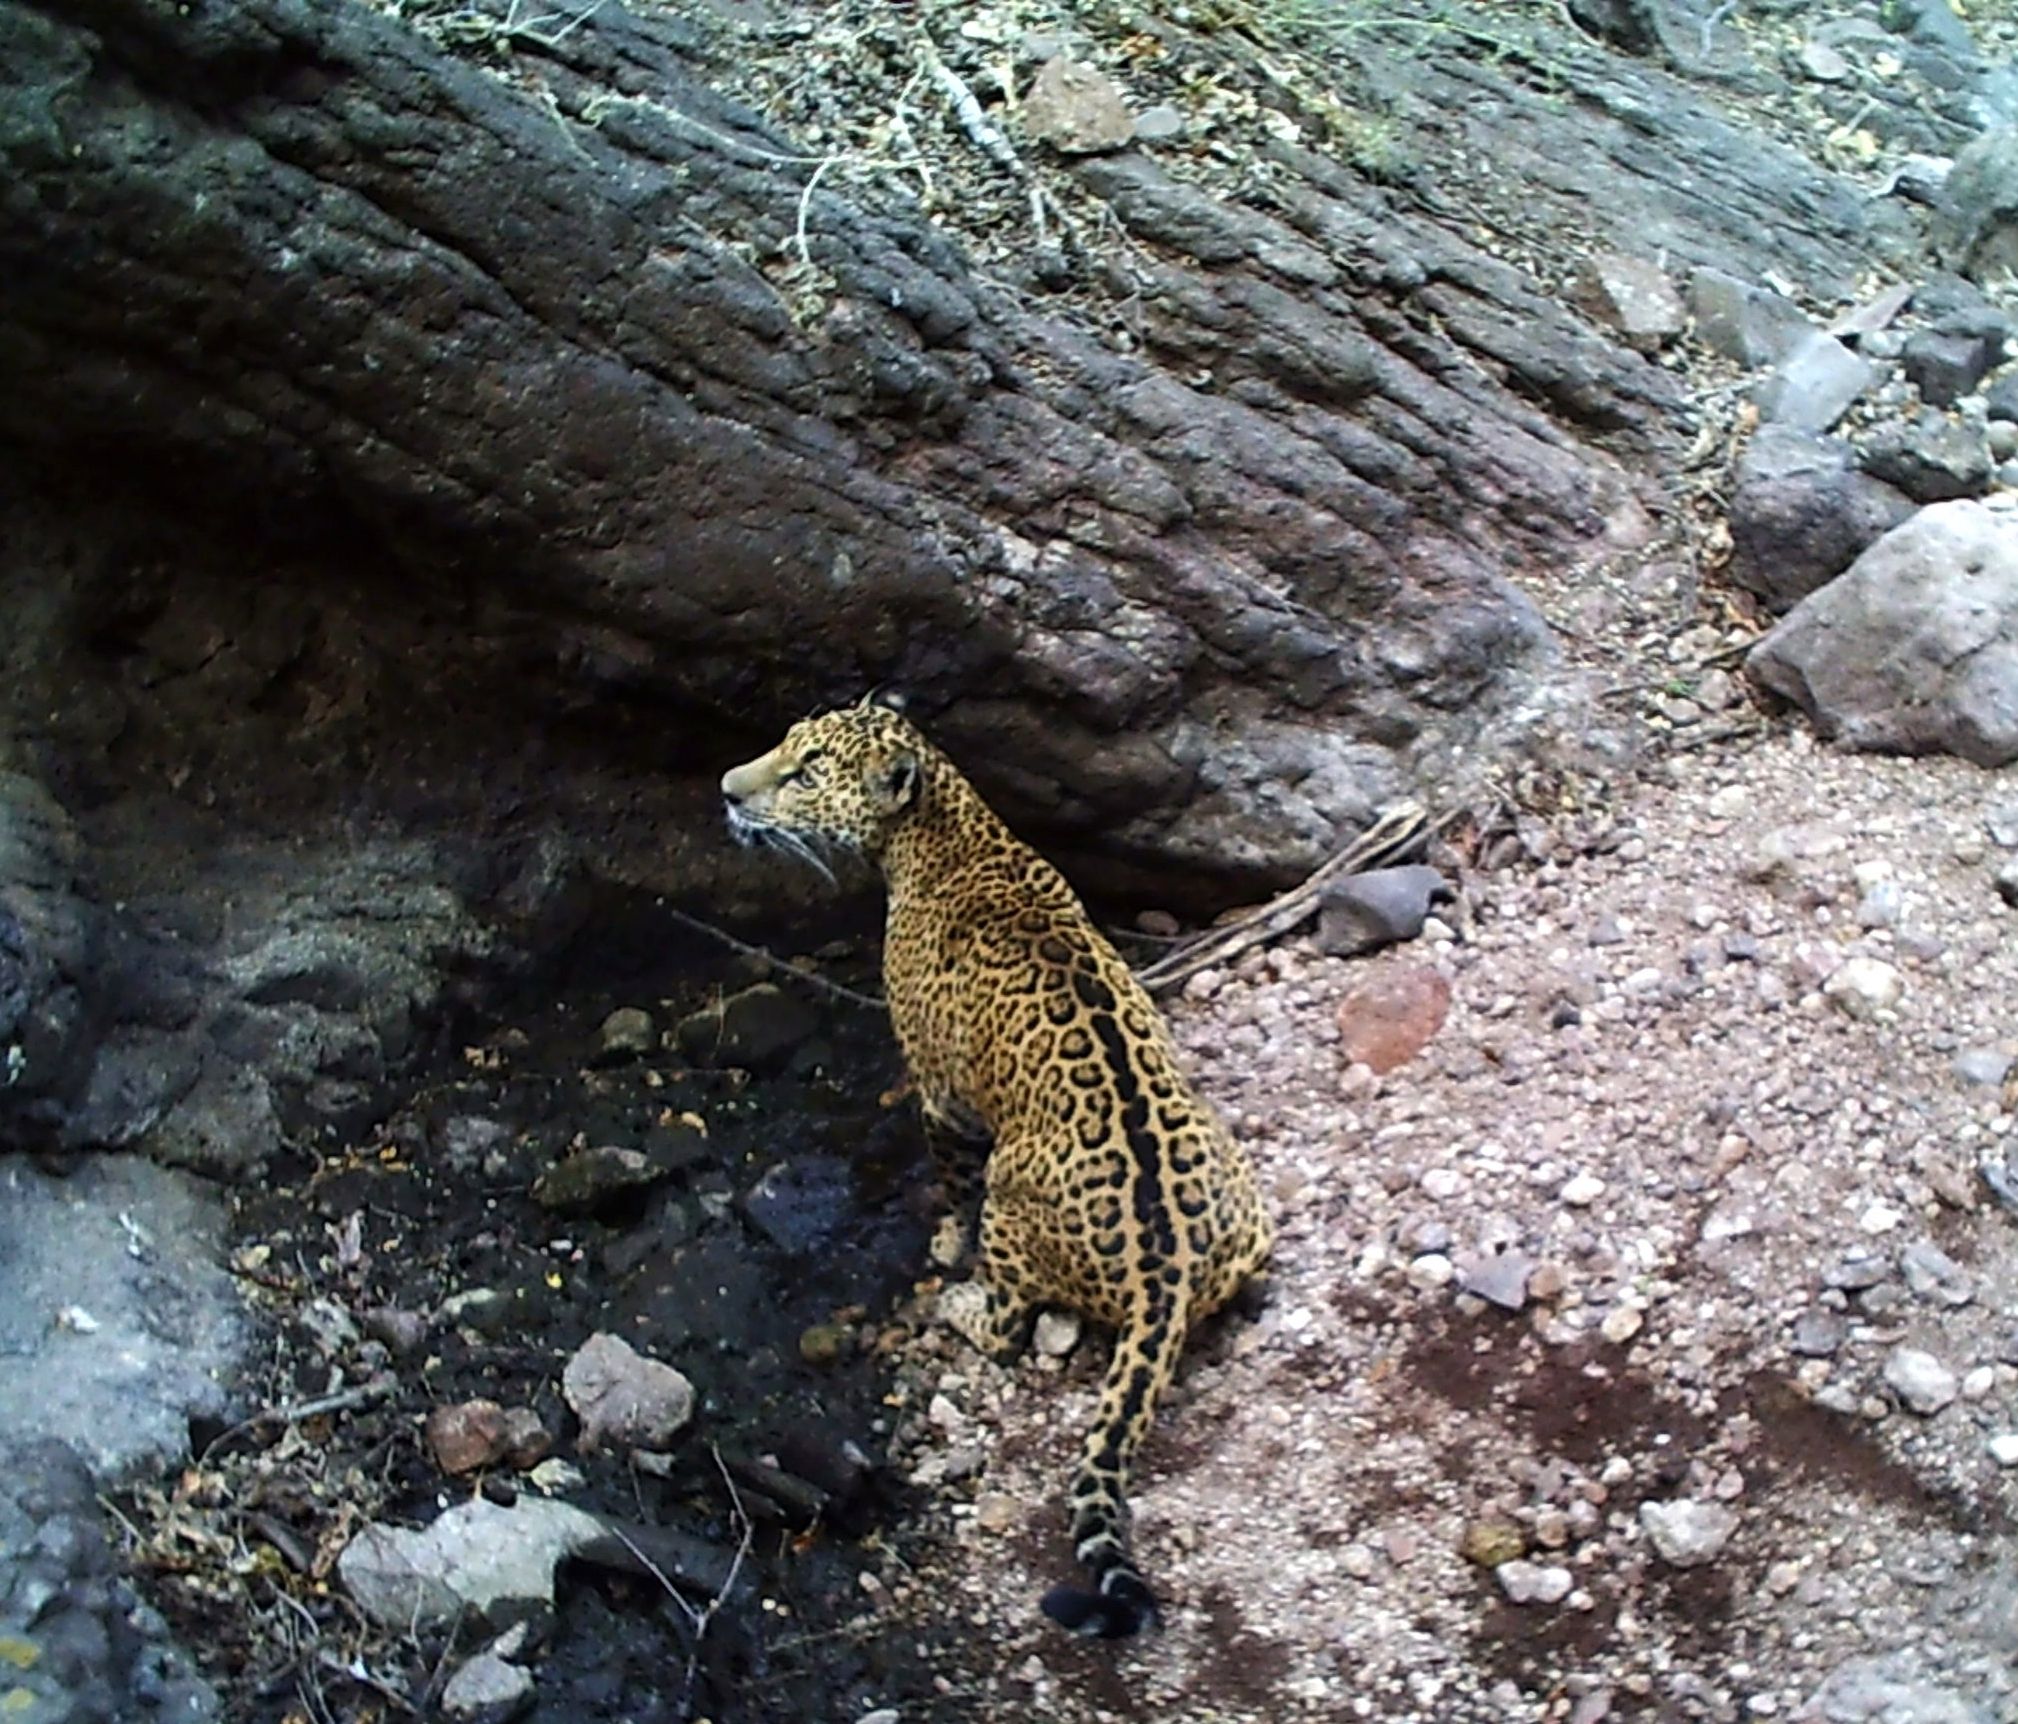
(1945,364)
(582,1183)
(1752,326)
(1920,1380)
(1431,1269)
(882,1715)
(1390,1020)
(1932,460)
(1159,124)
(2003,1448)
(1621,1324)
(628,1033)
(1688,1533)
(1492,1543)
(404,1332)
(1533,1583)
(1076,109)
(1864,987)
(1582,1190)
(475,1557)
(996,1512)
(1500,1277)
(1933,1274)
(2006,882)
(466,1436)
(1057,1333)
(1854,1274)
(1881,906)
(757,1029)
(1816,385)
(823,1343)
(1363,912)
(1819,1333)
(487,1690)
(1632,296)
(1823,63)
(1977,1383)
(801,1204)
(1801,513)
(623,1397)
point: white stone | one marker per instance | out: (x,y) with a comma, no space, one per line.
(1688,1533)
(1621,1324)
(1864,987)
(2003,1448)
(1978,1383)
(1919,1379)
(487,1688)
(1431,1269)
(1057,1333)
(1534,1582)
(1582,1190)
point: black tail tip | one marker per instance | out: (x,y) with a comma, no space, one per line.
(1123,1606)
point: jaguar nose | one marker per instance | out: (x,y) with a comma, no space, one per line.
(730,794)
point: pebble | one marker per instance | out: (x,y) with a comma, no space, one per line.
(1621,1324)
(882,1715)
(1582,1190)
(1819,1333)
(1499,1277)
(1390,1020)
(1442,1183)
(2003,1448)
(996,1512)
(1492,1543)
(1057,1333)
(1977,1384)
(1431,1269)
(1688,1533)
(1865,987)
(1983,1068)
(1920,1380)
(628,1033)
(1534,1583)
(487,1690)
(1933,1274)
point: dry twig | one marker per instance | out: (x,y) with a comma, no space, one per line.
(1396,834)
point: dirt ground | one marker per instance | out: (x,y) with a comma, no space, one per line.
(1735,1203)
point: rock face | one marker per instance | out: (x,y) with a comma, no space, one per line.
(117,1324)
(1915,649)
(367,624)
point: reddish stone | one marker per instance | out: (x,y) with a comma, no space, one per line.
(469,1435)
(1390,1020)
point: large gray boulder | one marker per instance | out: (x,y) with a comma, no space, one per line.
(1915,649)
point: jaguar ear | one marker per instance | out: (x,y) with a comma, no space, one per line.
(890,699)
(894,785)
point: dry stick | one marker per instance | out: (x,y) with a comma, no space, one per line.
(1390,837)
(779,964)
(294,1412)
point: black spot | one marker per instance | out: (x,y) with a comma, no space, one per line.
(1095,995)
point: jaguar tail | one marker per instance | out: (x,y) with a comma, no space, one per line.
(1119,1603)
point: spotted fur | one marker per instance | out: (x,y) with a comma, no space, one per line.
(1050,1088)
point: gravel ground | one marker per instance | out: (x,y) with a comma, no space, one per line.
(1733,1435)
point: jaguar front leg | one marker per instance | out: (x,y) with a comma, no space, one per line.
(960,1153)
